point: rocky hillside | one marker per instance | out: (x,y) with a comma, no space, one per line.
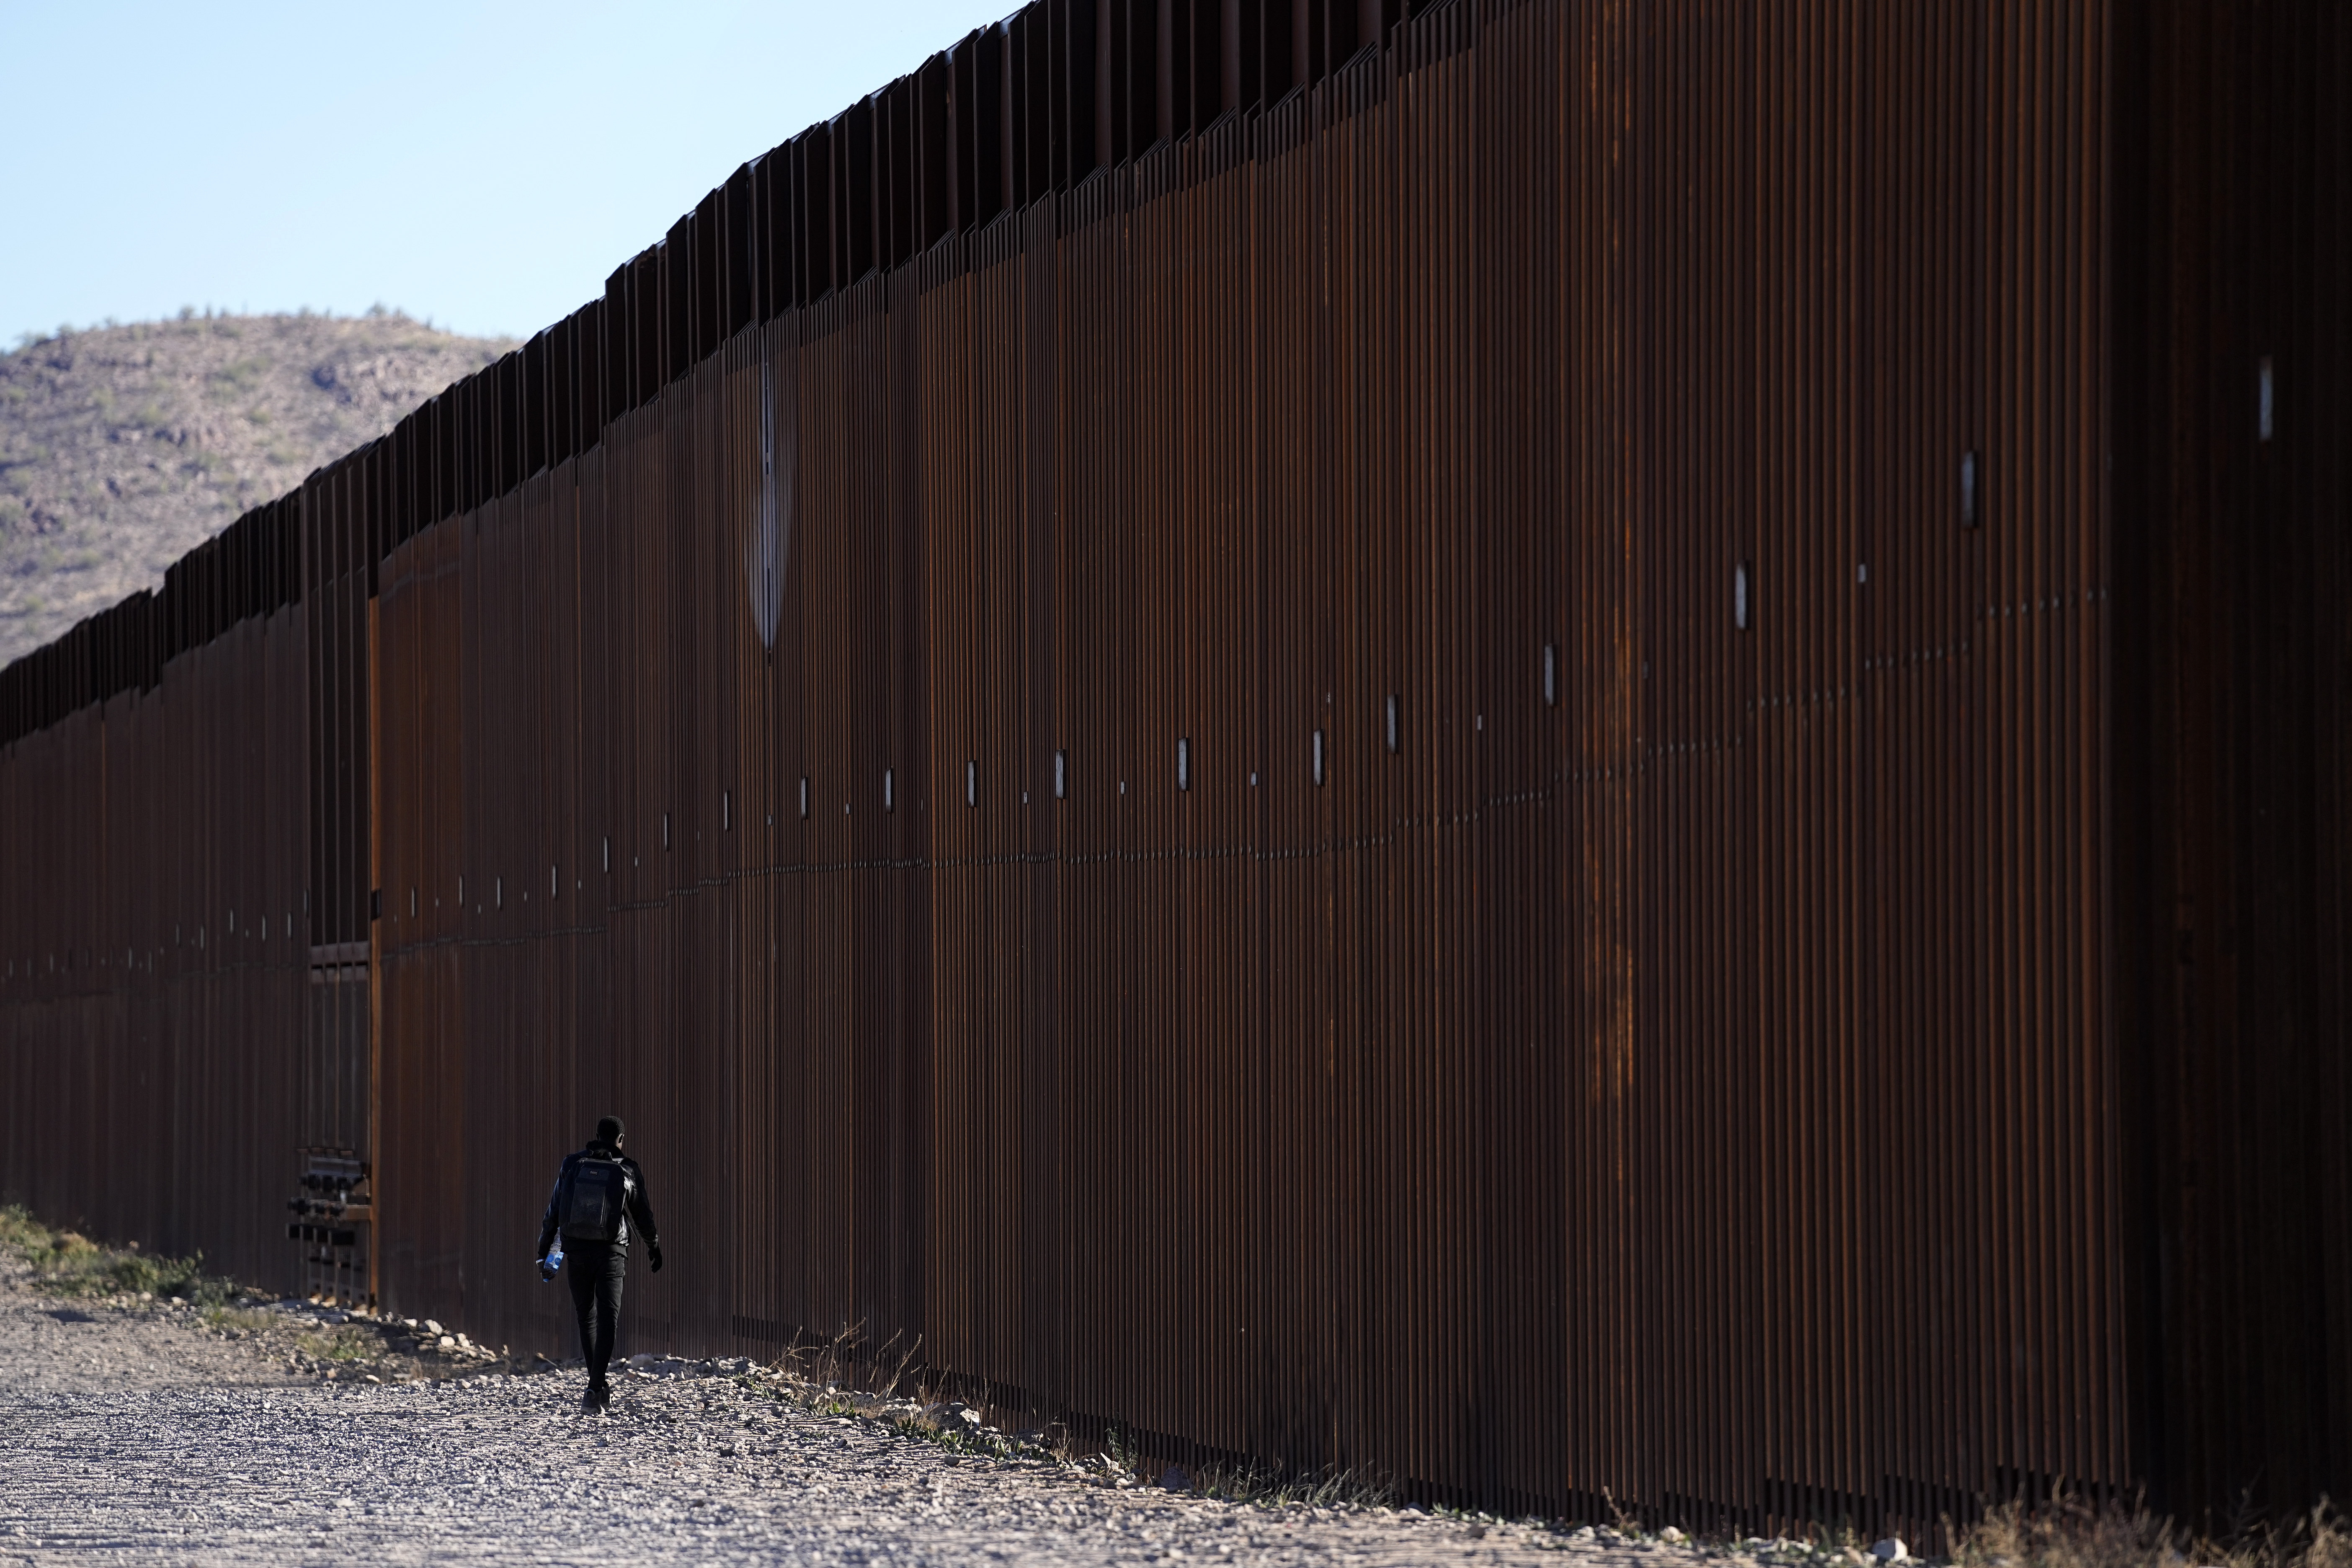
(123,447)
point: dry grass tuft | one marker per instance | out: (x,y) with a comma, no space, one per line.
(2073,1533)
(1267,1488)
(886,1385)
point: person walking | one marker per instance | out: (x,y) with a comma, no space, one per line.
(599,1193)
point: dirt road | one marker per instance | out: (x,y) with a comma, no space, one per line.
(137,1434)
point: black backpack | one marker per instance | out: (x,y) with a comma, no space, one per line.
(595,1195)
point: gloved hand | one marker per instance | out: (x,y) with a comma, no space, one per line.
(545,1273)
(654,1253)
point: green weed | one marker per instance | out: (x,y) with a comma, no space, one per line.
(66,1264)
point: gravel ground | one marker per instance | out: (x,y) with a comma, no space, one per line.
(133,1434)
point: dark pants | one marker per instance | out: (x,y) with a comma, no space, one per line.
(596,1271)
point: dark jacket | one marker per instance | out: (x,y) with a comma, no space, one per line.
(637,1208)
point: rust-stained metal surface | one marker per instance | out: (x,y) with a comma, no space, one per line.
(2227,836)
(1553,747)
(155,978)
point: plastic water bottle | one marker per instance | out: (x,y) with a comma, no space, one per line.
(554,1258)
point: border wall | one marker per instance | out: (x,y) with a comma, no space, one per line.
(1540,747)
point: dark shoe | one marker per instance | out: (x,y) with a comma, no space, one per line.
(592,1400)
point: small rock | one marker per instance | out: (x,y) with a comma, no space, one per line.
(1890,1550)
(1583,1532)
(1672,1536)
(1174,1479)
(448,1343)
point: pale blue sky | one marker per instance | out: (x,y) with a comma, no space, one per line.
(485,165)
